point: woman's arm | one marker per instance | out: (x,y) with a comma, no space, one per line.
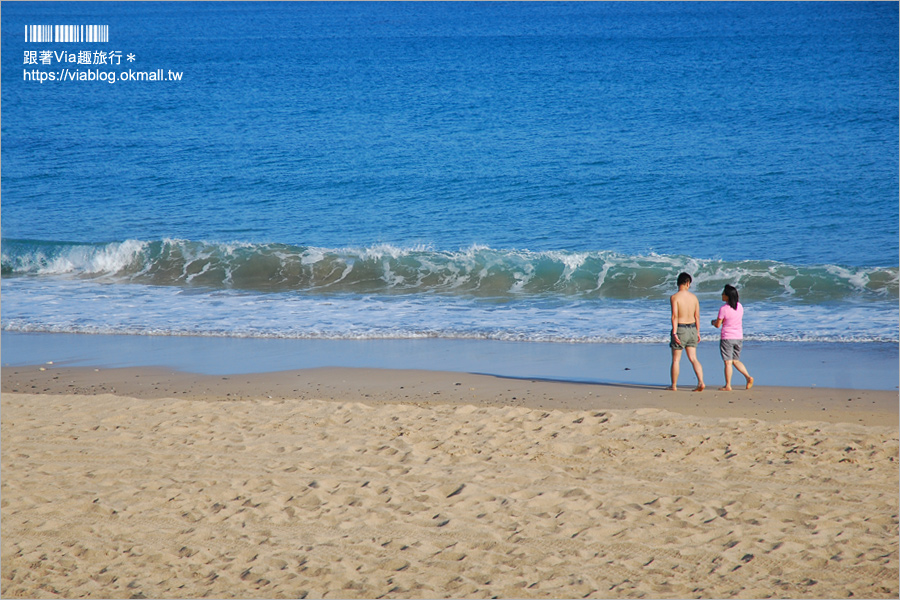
(717,322)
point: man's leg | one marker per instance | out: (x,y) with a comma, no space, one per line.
(676,360)
(698,369)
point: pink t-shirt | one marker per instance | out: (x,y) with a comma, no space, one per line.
(732,328)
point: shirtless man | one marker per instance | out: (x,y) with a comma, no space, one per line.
(685,330)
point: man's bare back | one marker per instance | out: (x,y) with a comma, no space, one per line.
(685,307)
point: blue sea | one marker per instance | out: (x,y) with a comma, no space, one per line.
(530,172)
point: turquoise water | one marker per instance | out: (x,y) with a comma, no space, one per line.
(530,172)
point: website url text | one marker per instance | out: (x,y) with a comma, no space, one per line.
(98,75)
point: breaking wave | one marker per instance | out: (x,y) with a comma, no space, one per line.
(476,271)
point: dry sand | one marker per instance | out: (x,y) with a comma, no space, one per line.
(354,483)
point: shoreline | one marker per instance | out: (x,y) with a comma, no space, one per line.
(422,387)
(352,482)
(784,364)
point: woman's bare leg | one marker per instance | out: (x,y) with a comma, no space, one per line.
(728,373)
(743,371)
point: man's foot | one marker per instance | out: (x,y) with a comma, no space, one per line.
(749,382)
(672,388)
(727,388)
(700,387)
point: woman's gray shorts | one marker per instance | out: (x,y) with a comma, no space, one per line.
(730,349)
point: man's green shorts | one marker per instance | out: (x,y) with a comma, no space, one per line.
(687,334)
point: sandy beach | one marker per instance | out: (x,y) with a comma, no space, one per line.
(355,483)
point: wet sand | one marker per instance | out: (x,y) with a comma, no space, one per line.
(867,407)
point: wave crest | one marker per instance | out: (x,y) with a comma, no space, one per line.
(476,271)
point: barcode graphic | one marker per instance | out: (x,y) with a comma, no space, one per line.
(67,33)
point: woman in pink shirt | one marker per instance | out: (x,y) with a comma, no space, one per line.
(730,320)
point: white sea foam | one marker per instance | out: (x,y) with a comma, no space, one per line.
(67,305)
(108,259)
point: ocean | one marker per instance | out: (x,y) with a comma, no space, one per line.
(527,172)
